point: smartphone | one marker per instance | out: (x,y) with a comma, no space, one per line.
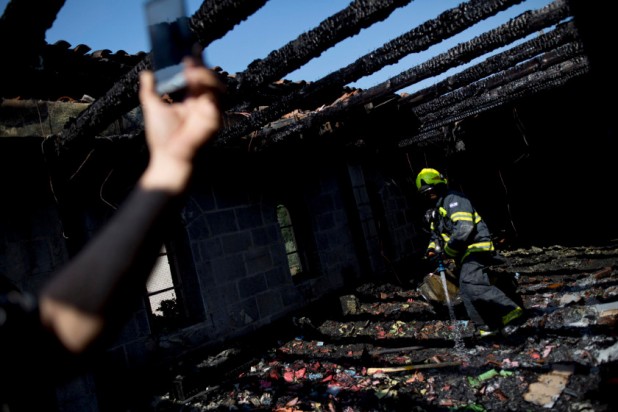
(171,40)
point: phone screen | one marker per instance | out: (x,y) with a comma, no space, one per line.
(171,40)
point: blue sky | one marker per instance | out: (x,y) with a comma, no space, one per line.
(120,25)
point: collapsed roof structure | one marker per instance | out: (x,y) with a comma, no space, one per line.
(44,71)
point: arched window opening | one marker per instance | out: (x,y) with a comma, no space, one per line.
(162,295)
(287,233)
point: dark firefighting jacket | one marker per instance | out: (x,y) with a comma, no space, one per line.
(458,228)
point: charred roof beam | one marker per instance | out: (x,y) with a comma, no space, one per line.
(348,22)
(447,24)
(123,96)
(516,28)
(563,33)
(214,18)
(207,26)
(432,110)
(554,76)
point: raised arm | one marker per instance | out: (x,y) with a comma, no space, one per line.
(97,291)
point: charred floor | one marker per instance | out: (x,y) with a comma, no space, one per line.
(382,346)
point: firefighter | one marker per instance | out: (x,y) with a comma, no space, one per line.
(458,232)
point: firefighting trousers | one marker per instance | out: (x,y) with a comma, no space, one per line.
(485,303)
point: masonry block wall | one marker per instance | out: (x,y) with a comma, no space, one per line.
(239,256)
(241,279)
(389,214)
(331,223)
(239,260)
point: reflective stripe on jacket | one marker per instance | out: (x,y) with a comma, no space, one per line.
(460,228)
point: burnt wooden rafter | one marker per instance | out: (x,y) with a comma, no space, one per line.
(511,85)
(346,23)
(214,18)
(447,24)
(563,33)
(123,96)
(554,76)
(211,14)
(360,14)
(516,28)
(418,39)
(429,111)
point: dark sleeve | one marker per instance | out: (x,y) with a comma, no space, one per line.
(108,277)
(461,214)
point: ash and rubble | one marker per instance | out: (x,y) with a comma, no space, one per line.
(383,347)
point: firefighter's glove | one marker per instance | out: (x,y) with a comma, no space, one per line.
(430,216)
(432,256)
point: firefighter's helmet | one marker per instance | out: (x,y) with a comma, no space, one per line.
(427,179)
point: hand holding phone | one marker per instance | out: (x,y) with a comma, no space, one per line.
(172,40)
